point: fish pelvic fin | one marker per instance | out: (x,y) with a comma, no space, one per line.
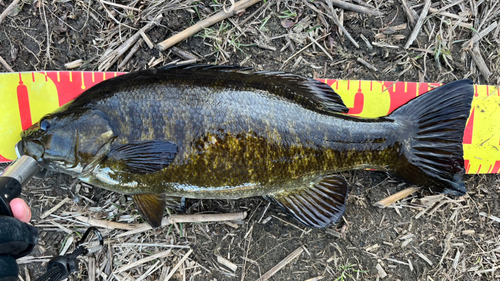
(151,207)
(320,204)
(432,153)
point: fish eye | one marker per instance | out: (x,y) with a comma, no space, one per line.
(44,125)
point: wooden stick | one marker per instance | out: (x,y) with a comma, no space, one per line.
(113,56)
(281,264)
(53,209)
(199,26)
(321,47)
(107,224)
(74,64)
(300,51)
(339,24)
(184,258)
(6,65)
(187,218)
(367,64)
(395,197)
(355,8)
(184,54)
(130,54)
(419,24)
(491,217)
(408,12)
(144,260)
(483,32)
(480,64)
(448,14)
(8,10)
(121,6)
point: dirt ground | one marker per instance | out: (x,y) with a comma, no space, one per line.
(423,237)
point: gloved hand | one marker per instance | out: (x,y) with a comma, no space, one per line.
(17,239)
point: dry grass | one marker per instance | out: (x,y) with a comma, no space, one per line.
(424,237)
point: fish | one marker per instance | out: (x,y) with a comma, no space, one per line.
(228,132)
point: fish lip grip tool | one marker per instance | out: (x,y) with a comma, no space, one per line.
(13,179)
(17,238)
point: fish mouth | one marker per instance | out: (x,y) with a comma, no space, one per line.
(34,149)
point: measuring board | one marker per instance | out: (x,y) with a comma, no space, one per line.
(27,96)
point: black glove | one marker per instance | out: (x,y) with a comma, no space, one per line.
(17,239)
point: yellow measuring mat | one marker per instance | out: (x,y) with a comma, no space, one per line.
(27,96)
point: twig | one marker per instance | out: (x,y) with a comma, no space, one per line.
(47,51)
(381,272)
(114,55)
(408,12)
(337,22)
(8,10)
(395,197)
(184,258)
(355,8)
(107,224)
(53,209)
(366,41)
(227,263)
(115,245)
(187,218)
(199,26)
(281,264)
(73,64)
(481,34)
(184,54)
(321,47)
(448,14)
(130,54)
(419,24)
(367,64)
(384,45)
(422,256)
(120,6)
(144,260)
(6,65)
(480,64)
(300,51)
(491,217)
(146,39)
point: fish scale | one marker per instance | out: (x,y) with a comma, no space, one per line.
(226,132)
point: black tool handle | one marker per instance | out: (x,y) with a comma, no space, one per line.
(10,188)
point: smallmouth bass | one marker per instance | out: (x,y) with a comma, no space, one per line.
(212,132)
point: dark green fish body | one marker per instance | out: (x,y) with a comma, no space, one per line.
(205,132)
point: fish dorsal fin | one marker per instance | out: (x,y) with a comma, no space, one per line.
(320,204)
(310,93)
(151,207)
(203,67)
(144,157)
(307,92)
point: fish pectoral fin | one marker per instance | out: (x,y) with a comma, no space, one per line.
(320,204)
(151,207)
(145,156)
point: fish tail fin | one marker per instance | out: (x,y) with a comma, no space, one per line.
(434,124)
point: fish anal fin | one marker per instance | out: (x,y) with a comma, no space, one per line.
(145,156)
(151,207)
(320,204)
